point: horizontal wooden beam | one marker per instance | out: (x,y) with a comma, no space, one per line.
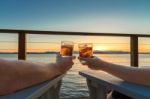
(71,33)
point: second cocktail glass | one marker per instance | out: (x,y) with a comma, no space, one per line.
(85,50)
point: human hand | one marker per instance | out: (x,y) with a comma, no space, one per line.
(63,64)
(94,62)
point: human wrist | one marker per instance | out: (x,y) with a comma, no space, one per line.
(55,68)
(102,65)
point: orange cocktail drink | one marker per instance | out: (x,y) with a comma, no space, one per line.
(66,48)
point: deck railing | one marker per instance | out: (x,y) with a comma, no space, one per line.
(134,52)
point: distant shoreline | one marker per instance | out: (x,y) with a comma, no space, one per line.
(95,52)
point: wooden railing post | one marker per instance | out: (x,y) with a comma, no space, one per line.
(134,51)
(21,46)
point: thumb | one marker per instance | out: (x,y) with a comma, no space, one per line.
(82,58)
(88,59)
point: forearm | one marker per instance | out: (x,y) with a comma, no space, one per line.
(38,74)
(25,76)
(129,74)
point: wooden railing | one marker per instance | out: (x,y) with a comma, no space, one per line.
(22,40)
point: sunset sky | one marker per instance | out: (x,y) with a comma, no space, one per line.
(119,16)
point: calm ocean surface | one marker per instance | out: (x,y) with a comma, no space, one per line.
(74,86)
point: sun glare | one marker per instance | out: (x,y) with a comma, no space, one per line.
(101,48)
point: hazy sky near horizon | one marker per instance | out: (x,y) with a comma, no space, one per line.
(119,16)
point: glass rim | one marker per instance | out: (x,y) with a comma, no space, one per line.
(79,44)
(67,42)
